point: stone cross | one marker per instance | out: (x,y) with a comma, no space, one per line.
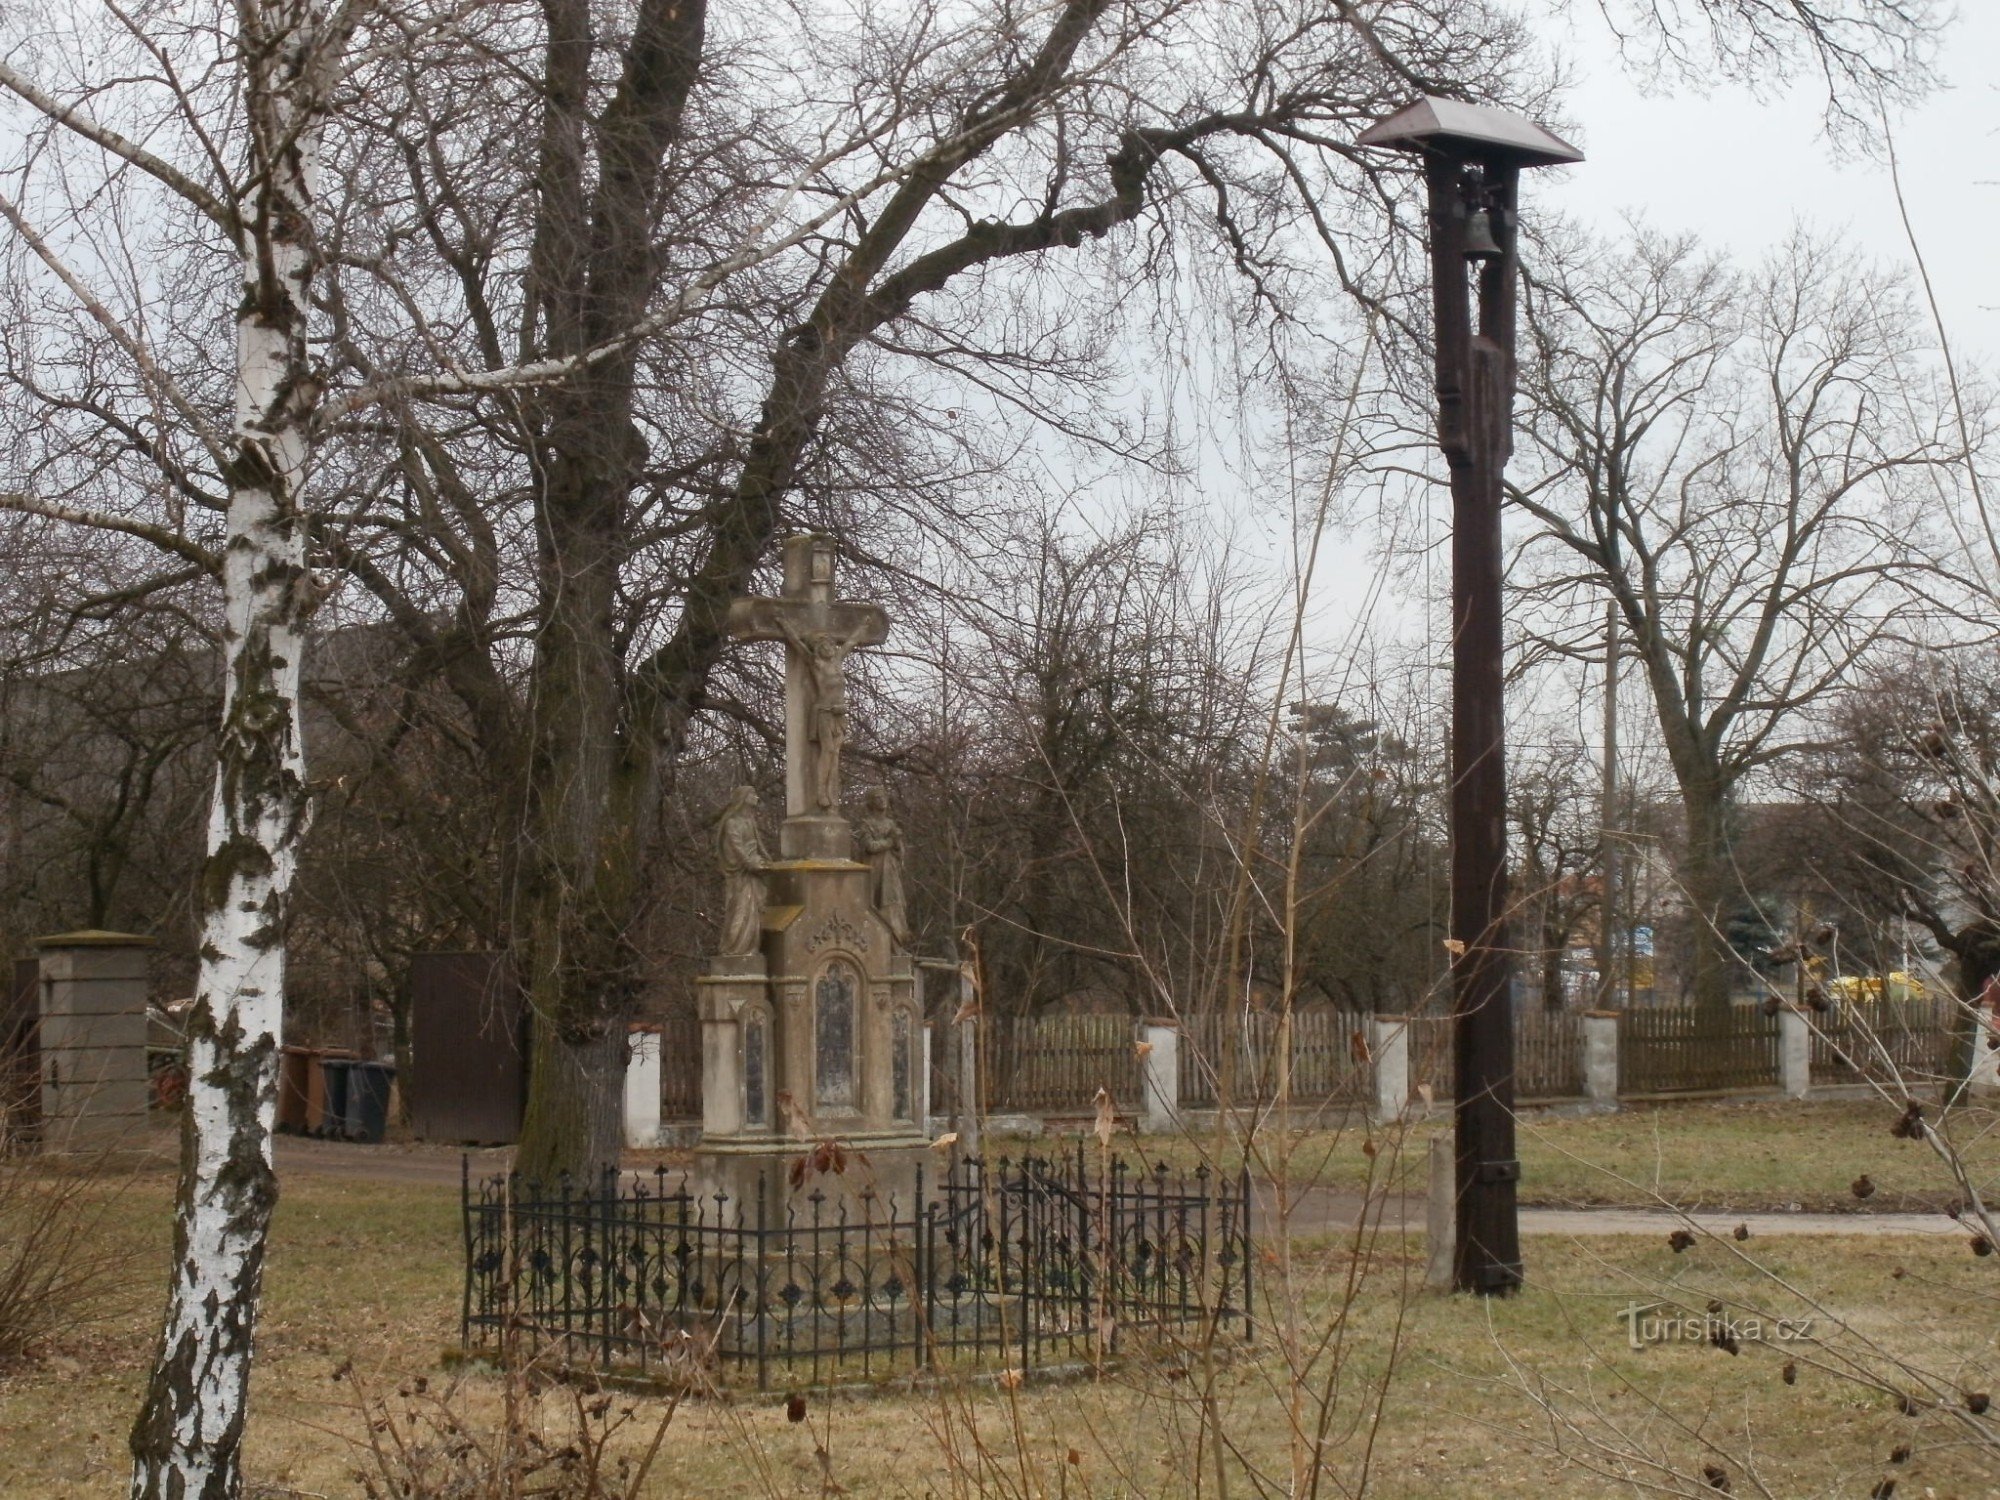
(818,631)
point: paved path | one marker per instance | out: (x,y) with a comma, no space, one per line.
(1315,1211)
(1580,1221)
(1328,1211)
(390,1163)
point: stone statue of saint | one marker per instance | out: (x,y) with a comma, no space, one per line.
(739,852)
(825,656)
(881,839)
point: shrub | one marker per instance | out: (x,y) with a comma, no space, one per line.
(56,1270)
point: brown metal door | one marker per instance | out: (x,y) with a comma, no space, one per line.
(468,1049)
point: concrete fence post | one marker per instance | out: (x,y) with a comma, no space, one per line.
(95,1084)
(1389,1060)
(1984,1077)
(1441,1215)
(1160,1075)
(1600,1056)
(1794,1053)
(642,1087)
(968,1100)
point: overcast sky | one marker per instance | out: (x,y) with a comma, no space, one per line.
(1740,171)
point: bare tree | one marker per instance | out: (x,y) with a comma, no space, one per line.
(221,448)
(569,557)
(1073,808)
(1742,465)
(1371,908)
(1558,868)
(1900,812)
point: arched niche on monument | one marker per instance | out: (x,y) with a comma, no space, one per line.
(836,1013)
(754,1029)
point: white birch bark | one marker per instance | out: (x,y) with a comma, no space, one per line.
(187,1441)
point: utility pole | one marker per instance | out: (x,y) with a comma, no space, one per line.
(1607,839)
(1472,158)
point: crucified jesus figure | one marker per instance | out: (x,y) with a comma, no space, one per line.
(825,657)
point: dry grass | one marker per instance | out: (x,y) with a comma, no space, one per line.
(1767,1154)
(369,1273)
(58,1273)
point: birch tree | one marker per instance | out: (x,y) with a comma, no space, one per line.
(286,57)
(149,215)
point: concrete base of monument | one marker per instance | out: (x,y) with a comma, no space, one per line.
(868,1176)
(815,836)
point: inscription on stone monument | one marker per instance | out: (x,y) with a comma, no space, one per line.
(756,1106)
(833,1037)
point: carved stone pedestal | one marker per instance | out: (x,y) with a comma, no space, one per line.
(818,1038)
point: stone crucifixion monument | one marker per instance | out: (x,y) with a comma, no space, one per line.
(819,631)
(810,1023)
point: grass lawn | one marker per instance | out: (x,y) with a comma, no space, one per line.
(1767,1154)
(1434,1396)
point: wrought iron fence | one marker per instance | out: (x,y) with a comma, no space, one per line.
(1020,1260)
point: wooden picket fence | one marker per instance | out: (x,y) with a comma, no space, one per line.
(680,1068)
(1683,1050)
(1848,1044)
(1056,1064)
(1433,1064)
(1328,1058)
(1548,1055)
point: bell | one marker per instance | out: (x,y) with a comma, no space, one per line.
(1479,241)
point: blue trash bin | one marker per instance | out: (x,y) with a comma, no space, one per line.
(367,1104)
(333,1119)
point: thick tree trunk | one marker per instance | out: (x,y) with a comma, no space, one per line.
(589,790)
(575,1101)
(590,798)
(591,283)
(1555,946)
(1706,881)
(188,1439)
